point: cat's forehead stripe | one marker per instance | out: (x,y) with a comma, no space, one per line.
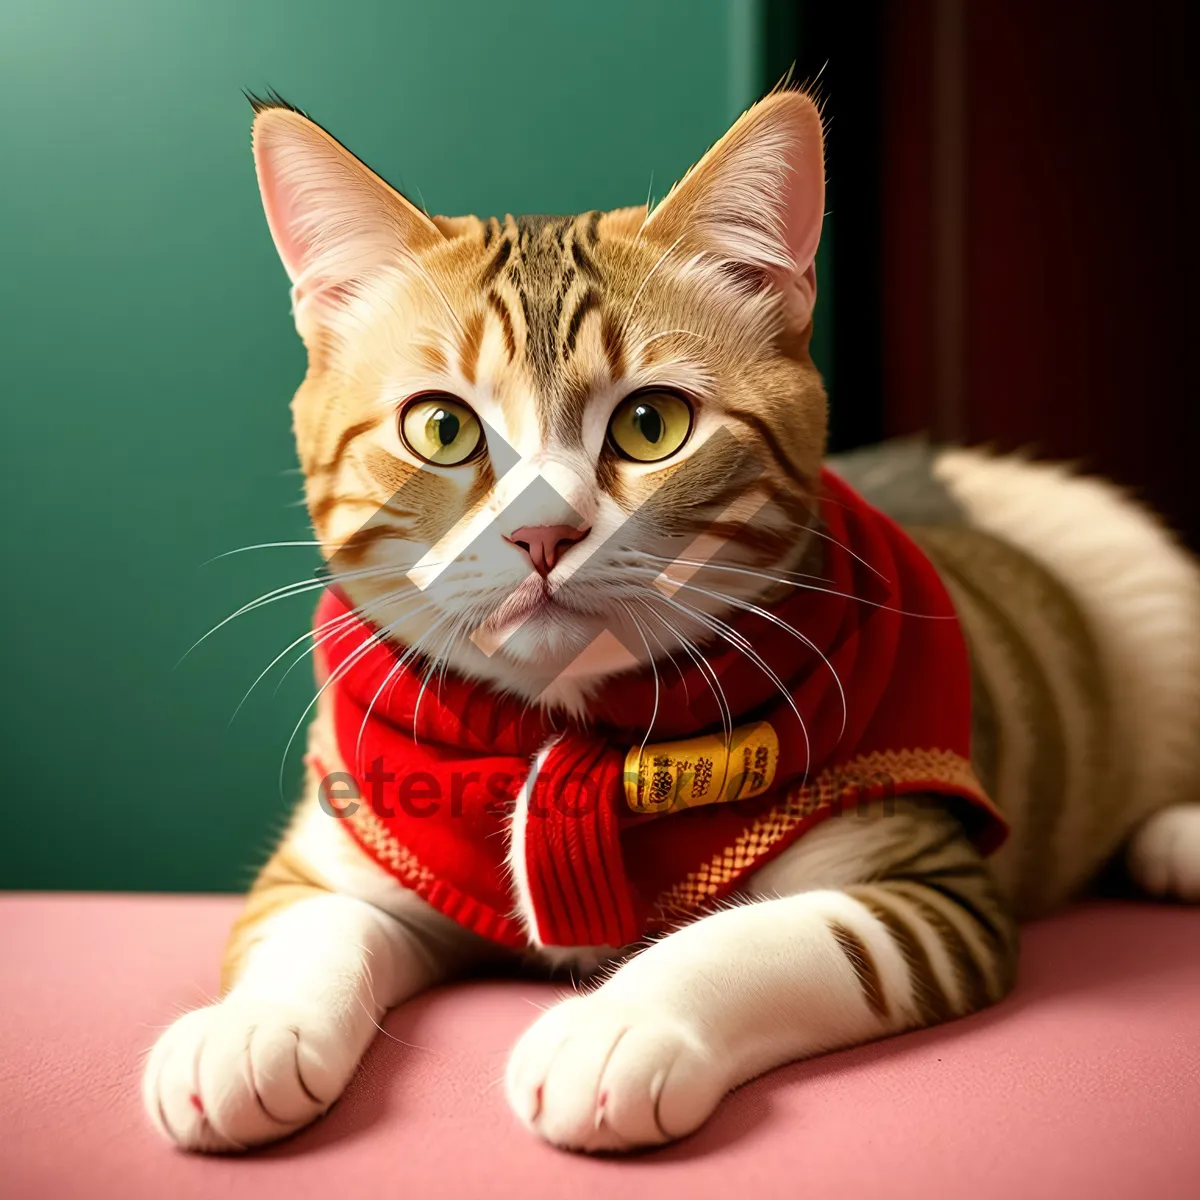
(499,306)
(542,269)
(612,338)
(587,302)
(472,339)
(498,260)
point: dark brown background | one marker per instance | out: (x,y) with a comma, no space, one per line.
(1015,208)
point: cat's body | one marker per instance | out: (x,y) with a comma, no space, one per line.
(1082,617)
(1081,613)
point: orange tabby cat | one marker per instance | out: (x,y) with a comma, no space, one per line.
(487,406)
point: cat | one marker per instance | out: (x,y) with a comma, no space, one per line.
(491,408)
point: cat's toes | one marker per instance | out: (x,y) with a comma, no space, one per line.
(240,1073)
(600,1074)
(1164,854)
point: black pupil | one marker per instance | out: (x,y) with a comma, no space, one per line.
(649,423)
(447,426)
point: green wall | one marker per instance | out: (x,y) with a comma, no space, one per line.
(148,357)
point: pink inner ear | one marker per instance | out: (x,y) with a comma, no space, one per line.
(802,210)
(280,207)
(804,191)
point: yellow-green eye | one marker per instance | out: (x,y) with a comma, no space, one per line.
(650,425)
(441,430)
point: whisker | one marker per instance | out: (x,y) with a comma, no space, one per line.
(735,639)
(330,638)
(453,619)
(257,546)
(804,587)
(321,635)
(669,657)
(297,588)
(376,638)
(708,563)
(645,280)
(308,634)
(857,557)
(394,673)
(410,1045)
(653,665)
(420,640)
(459,630)
(710,676)
(746,606)
(668,332)
(361,613)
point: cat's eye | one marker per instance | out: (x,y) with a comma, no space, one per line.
(440,429)
(650,425)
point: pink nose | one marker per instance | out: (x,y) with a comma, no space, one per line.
(544,545)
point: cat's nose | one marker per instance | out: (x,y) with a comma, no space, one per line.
(544,545)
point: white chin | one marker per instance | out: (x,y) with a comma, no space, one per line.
(547,640)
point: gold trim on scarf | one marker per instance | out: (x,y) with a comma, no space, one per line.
(842,789)
(387,849)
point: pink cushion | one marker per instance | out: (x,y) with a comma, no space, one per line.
(1084,1083)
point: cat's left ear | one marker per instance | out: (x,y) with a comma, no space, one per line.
(755,201)
(333,220)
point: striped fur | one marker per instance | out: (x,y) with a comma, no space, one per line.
(1082,616)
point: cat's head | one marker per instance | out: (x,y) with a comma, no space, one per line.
(521,437)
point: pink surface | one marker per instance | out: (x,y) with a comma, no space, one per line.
(1085,1083)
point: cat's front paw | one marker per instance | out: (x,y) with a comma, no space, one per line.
(243,1072)
(596,1073)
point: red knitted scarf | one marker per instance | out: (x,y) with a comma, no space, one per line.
(594,841)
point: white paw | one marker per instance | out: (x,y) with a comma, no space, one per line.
(596,1073)
(243,1072)
(1164,855)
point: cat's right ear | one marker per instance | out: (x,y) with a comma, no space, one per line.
(756,200)
(333,220)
